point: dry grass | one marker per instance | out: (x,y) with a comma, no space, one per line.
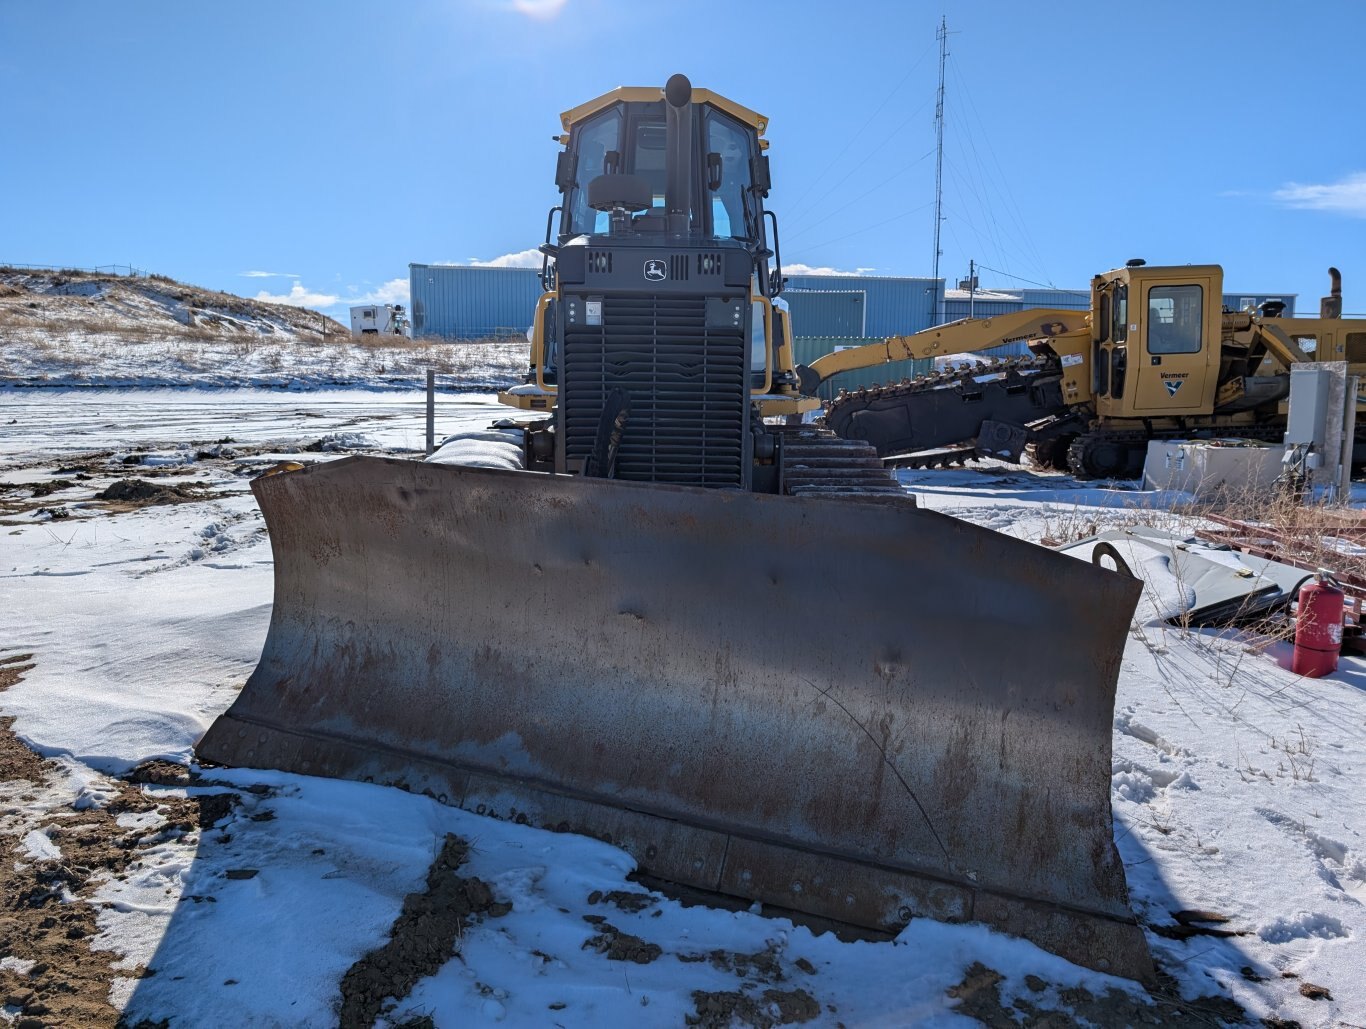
(1285,524)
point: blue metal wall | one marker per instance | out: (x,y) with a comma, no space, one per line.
(461,302)
(890,307)
(894,306)
(954,308)
(1067,299)
(827,312)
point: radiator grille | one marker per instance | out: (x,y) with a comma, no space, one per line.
(688,386)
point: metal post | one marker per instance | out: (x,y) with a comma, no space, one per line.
(1349,431)
(972,284)
(431,411)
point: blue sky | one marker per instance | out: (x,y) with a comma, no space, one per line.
(330,144)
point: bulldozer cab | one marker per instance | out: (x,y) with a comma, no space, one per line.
(627,144)
(1156,342)
(663,250)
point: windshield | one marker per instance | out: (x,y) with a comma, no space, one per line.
(632,138)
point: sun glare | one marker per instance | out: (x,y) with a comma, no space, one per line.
(544,10)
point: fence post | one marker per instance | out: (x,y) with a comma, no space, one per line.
(431,411)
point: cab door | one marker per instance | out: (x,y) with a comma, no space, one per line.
(1173,319)
(1109,358)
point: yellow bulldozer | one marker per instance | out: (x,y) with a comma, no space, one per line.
(687,624)
(1155,357)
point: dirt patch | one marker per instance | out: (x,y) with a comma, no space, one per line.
(722,1009)
(13,667)
(140,492)
(627,900)
(765,966)
(43,489)
(979,996)
(67,983)
(1315,992)
(620,946)
(423,937)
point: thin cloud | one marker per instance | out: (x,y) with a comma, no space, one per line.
(1346,196)
(522,259)
(268,275)
(806,269)
(298,296)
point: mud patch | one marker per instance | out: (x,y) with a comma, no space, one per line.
(722,1009)
(142,493)
(65,982)
(979,996)
(43,489)
(627,900)
(423,937)
(620,946)
(765,966)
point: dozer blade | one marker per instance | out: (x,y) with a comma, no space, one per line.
(851,708)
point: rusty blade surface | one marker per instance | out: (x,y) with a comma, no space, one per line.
(853,708)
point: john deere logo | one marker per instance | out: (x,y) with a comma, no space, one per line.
(656,271)
(1172,386)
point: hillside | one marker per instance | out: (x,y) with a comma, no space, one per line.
(76,301)
(72,328)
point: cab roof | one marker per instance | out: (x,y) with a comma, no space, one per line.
(650,94)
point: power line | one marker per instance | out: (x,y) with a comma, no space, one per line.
(796,207)
(1041,285)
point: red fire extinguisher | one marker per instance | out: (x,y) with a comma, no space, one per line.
(1318,627)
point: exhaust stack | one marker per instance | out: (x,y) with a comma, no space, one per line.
(1331,305)
(678,181)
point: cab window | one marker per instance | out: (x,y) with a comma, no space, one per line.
(1175,318)
(1119,318)
(728,142)
(597,137)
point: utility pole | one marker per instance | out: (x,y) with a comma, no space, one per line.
(972,284)
(943,36)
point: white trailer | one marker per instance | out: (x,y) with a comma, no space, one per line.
(379,319)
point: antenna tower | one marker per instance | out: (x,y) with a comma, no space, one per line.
(943,36)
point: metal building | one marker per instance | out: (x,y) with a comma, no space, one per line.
(828,312)
(893,306)
(890,306)
(456,301)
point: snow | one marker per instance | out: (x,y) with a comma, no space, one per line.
(1237,786)
(105,359)
(38,847)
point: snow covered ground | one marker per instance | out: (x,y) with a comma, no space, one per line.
(110,359)
(1239,788)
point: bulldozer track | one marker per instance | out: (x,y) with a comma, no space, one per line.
(816,462)
(1087,453)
